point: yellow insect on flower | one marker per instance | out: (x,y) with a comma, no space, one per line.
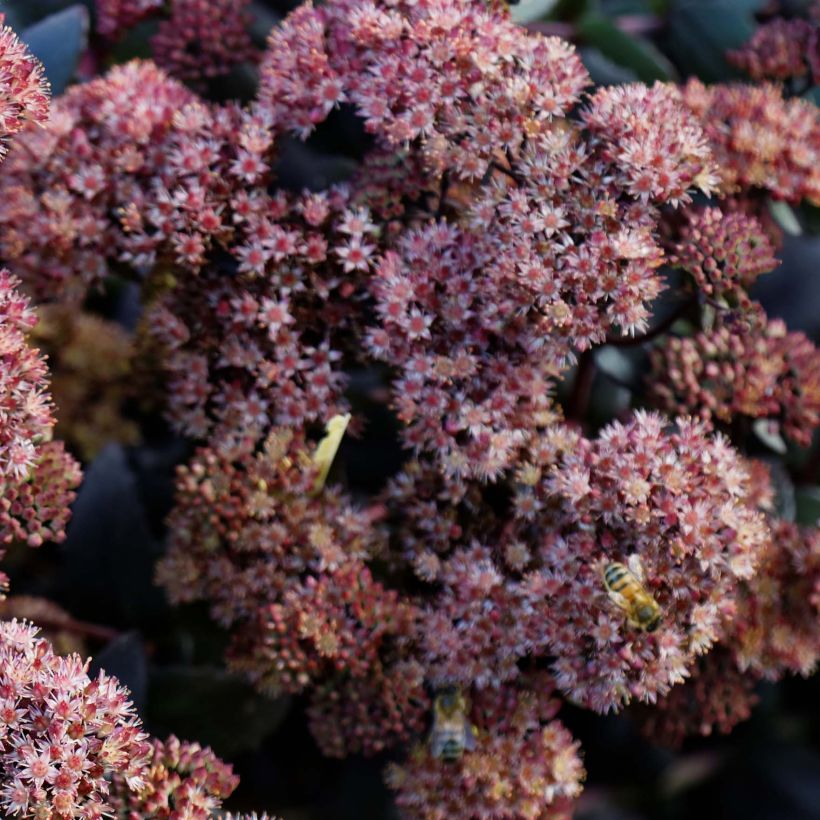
(624,584)
(327,448)
(451,733)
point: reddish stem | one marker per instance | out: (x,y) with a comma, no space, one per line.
(88,630)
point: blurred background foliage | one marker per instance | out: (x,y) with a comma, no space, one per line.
(101,577)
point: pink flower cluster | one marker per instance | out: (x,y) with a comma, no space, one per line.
(745,365)
(182,781)
(716,697)
(559,249)
(284,567)
(525,764)
(62,734)
(724,252)
(459,78)
(59,189)
(24,92)
(202,39)
(777,625)
(267,293)
(676,499)
(781,50)
(116,16)
(37,475)
(196,40)
(245,530)
(760,139)
(25,408)
(283,270)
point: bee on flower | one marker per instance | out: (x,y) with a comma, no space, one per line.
(452,733)
(625,585)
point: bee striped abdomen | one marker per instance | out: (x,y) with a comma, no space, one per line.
(617,577)
(452,750)
(451,733)
(628,593)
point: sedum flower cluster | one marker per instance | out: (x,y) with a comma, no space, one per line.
(504,221)
(746,366)
(56,226)
(62,734)
(781,50)
(37,476)
(24,91)
(24,403)
(676,500)
(723,251)
(512,723)
(90,362)
(71,746)
(195,40)
(181,780)
(760,139)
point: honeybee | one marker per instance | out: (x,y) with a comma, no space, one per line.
(452,731)
(625,587)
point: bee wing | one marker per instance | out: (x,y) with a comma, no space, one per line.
(635,566)
(436,744)
(470,734)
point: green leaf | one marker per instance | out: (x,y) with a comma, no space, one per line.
(813,95)
(626,50)
(569,10)
(28,12)
(603,70)
(699,33)
(109,555)
(59,41)
(785,505)
(13,19)
(529,10)
(808,505)
(768,432)
(810,217)
(785,217)
(213,707)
